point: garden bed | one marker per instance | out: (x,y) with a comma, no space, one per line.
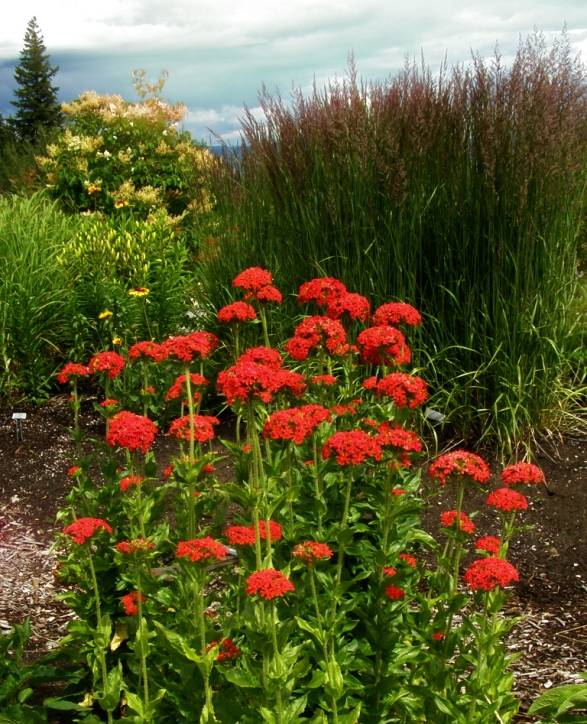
(551,598)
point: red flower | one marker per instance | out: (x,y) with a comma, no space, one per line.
(507,500)
(109,403)
(110,362)
(317,333)
(398,491)
(349,409)
(248,379)
(236,312)
(268,584)
(352,448)
(148,349)
(408,559)
(394,313)
(522,474)
(438,636)
(321,290)
(266,294)
(253,279)
(138,545)
(72,369)
(73,470)
(295,423)
(394,593)
(130,601)
(177,388)
(168,471)
(203,427)
(489,543)
(399,438)
(448,519)
(405,390)
(486,574)
(84,528)
(227,649)
(130,481)
(201,549)
(326,380)
(459,463)
(130,431)
(245,535)
(186,347)
(355,305)
(383,345)
(311,551)
(389,571)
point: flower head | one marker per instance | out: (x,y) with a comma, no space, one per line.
(109,362)
(268,293)
(203,426)
(352,447)
(489,544)
(522,474)
(326,380)
(355,306)
(130,603)
(253,279)
(269,584)
(397,437)
(394,313)
(187,346)
(236,312)
(131,431)
(138,292)
(83,529)
(227,650)
(408,559)
(383,345)
(138,545)
(73,471)
(321,290)
(448,519)
(405,390)
(245,535)
(485,574)
(311,552)
(394,593)
(506,499)
(178,387)
(130,481)
(459,464)
(317,333)
(389,571)
(201,549)
(149,350)
(295,423)
(72,369)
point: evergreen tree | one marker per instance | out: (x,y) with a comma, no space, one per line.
(37,109)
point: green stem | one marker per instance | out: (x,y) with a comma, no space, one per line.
(199,604)
(278,666)
(191,527)
(101,656)
(144,671)
(325,652)
(254,482)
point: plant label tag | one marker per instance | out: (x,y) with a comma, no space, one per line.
(19,415)
(434,415)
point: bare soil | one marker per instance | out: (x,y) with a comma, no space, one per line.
(551,598)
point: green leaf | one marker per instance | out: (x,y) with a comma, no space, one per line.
(241,678)
(352,717)
(179,643)
(135,703)
(560,700)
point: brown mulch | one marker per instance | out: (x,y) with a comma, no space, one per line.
(551,599)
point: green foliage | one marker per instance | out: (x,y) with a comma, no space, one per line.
(563,704)
(37,109)
(462,194)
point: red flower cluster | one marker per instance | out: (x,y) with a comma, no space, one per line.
(522,474)
(405,390)
(258,373)
(326,380)
(241,535)
(201,549)
(349,408)
(130,431)
(266,294)
(507,500)
(356,306)
(253,279)
(448,519)
(72,369)
(109,362)
(459,463)
(489,544)
(408,559)
(383,345)
(203,427)
(486,574)
(311,551)
(394,593)
(138,545)
(314,332)
(130,603)
(352,447)
(236,312)
(321,290)
(148,349)
(130,481)
(227,650)
(186,347)
(83,528)
(177,388)
(109,402)
(389,571)
(73,470)
(397,437)
(268,584)
(394,313)
(295,423)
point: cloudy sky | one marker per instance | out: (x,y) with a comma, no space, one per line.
(219,52)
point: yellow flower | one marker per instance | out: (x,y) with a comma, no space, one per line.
(105,314)
(119,203)
(117,341)
(93,188)
(138,292)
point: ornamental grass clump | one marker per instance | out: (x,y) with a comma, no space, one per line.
(301,586)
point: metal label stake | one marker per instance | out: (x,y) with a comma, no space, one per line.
(19,418)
